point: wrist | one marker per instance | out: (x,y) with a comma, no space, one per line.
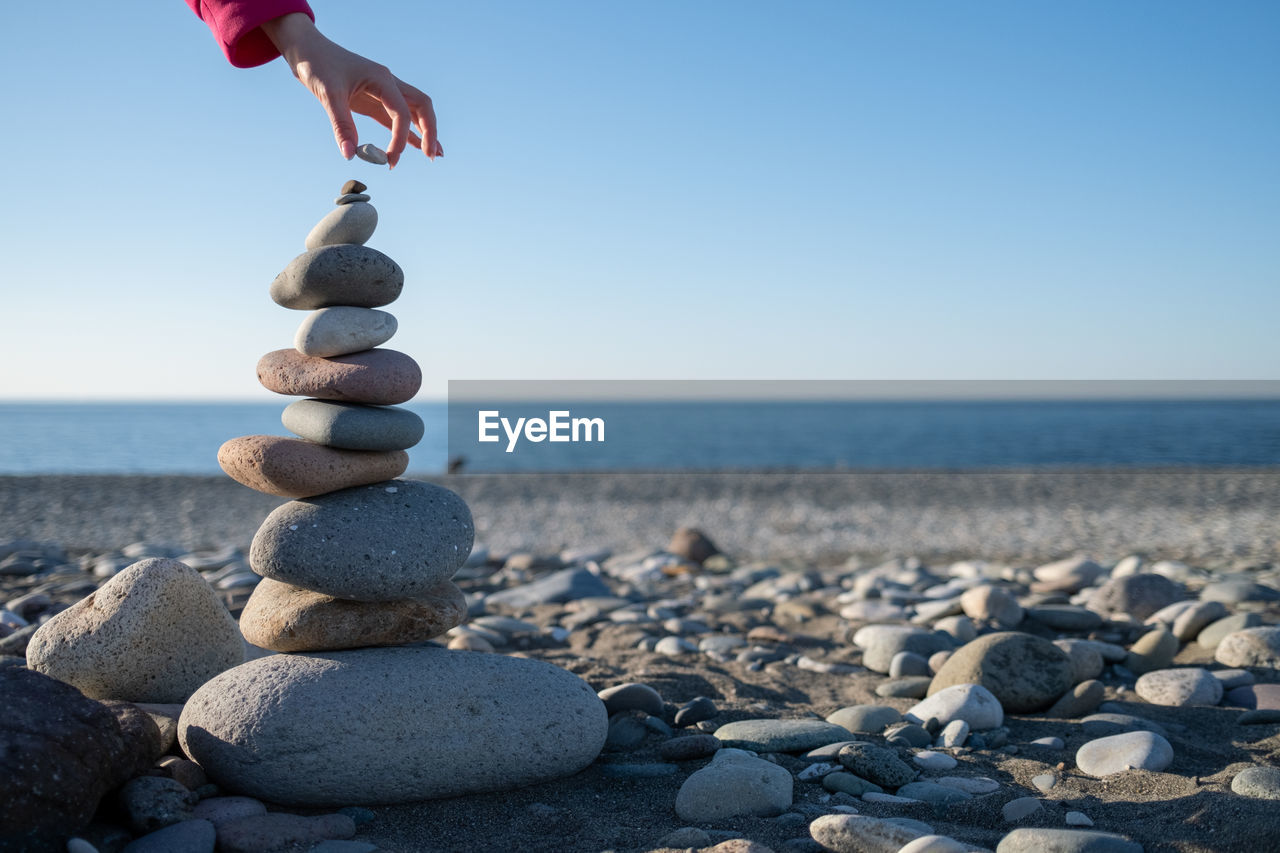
(289,33)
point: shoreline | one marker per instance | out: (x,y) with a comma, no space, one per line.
(1220,517)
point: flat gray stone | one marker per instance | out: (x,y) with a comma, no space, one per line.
(347,223)
(1028,840)
(865,719)
(880,643)
(382,542)
(1063,617)
(353,426)
(1258,782)
(153,633)
(781,735)
(371,153)
(932,792)
(734,783)
(1129,751)
(631,697)
(555,588)
(346,274)
(342,330)
(1138,595)
(390,725)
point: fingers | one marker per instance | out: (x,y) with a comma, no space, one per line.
(344,127)
(420,108)
(393,103)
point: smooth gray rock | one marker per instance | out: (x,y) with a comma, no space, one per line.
(932,792)
(353,426)
(1029,840)
(1250,647)
(371,153)
(310,729)
(1214,632)
(880,643)
(382,542)
(1128,751)
(153,633)
(1180,687)
(972,703)
(865,719)
(188,836)
(780,735)
(1259,782)
(346,274)
(1188,624)
(734,783)
(555,588)
(343,329)
(631,697)
(347,223)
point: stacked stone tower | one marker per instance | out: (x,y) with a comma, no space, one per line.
(356,579)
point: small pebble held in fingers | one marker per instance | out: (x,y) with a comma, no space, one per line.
(371,153)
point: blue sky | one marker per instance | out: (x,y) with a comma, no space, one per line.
(671,190)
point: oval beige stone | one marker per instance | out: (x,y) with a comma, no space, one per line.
(286,618)
(293,468)
(379,377)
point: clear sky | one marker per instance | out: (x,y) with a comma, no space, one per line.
(670,190)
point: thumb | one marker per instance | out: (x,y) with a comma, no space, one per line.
(344,128)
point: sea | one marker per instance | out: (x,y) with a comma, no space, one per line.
(685,435)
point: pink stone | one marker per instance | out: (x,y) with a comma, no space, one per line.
(292,468)
(379,377)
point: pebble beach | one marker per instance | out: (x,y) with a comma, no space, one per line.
(830,661)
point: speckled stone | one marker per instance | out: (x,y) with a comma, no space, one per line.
(345,274)
(379,377)
(280,728)
(877,764)
(285,618)
(1180,687)
(153,633)
(353,426)
(848,833)
(383,542)
(1138,595)
(1250,647)
(1025,673)
(343,329)
(1258,782)
(346,223)
(290,468)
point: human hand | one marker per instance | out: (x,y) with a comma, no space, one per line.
(344,82)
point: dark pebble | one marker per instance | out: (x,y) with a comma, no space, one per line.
(1259,717)
(909,735)
(353,186)
(695,711)
(689,747)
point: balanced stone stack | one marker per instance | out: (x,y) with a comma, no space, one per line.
(358,562)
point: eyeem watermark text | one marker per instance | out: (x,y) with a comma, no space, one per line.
(558,426)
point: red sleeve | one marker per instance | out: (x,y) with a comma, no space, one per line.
(236,25)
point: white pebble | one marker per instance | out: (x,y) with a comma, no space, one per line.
(371,153)
(814,772)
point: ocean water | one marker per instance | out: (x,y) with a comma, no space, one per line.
(172,438)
